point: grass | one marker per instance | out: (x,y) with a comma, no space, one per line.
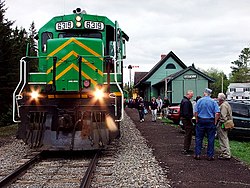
(8,130)
(168,121)
(241,150)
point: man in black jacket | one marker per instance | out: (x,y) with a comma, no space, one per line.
(186,113)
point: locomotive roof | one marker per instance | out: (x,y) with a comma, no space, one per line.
(68,17)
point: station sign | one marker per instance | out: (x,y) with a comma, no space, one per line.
(190,76)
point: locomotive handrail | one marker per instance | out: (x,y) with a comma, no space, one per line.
(15,104)
(24,77)
(116,60)
(120,89)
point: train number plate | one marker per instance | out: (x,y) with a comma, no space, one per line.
(64,25)
(93,25)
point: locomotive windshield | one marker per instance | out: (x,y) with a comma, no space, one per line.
(82,33)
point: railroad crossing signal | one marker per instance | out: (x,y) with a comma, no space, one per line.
(130,67)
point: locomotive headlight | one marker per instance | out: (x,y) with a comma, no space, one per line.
(34,95)
(78,24)
(99,94)
(78,18)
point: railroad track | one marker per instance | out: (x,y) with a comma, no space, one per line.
(30,160)
(86,181)
(56,169)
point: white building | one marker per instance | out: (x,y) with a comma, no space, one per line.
(238,91)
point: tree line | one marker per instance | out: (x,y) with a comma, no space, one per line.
(13,46)
(240,73)
(13,43)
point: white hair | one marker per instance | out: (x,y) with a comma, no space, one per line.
(221,96)
(189,91)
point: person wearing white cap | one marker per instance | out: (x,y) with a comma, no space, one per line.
(207,113)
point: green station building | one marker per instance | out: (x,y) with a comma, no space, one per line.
(172,78)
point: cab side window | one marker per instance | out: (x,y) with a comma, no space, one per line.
(45,37)
(109,50)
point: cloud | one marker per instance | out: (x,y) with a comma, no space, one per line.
(209,33)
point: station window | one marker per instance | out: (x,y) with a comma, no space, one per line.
(170,66)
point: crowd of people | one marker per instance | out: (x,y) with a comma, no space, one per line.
(204,116)
(210,116)
(157,107)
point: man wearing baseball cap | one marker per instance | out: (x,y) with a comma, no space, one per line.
(207,113)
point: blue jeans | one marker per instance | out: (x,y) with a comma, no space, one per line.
(141,114)
(205,126)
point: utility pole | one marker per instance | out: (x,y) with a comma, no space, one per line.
(129,67)
(222,75)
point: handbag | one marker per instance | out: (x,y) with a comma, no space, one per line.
(229,124)
(145,111)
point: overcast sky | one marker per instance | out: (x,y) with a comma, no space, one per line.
(208,33)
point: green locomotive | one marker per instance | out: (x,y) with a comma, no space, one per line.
(74,100)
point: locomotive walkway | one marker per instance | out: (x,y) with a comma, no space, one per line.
(182,170)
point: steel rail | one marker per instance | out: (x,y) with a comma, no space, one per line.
(88,174)
(20,170)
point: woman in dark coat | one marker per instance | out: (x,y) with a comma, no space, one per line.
(140,107)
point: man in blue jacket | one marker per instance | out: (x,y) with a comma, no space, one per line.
(207,113)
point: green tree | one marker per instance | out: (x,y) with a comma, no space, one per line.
(32,40)
(240,69)
(220,79)
(19,41)
(33,63)
(5,57)
(12,48)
